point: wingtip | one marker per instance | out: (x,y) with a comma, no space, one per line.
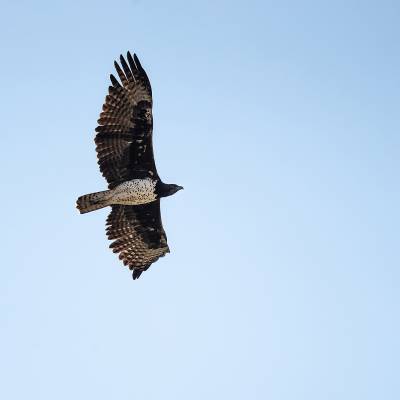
(114,81)
(136,274)
(135,57)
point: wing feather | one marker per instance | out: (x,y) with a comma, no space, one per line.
(125,131)
(114,81)
(138,235)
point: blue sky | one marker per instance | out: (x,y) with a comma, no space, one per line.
(281,120)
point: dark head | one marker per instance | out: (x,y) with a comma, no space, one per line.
(166,189)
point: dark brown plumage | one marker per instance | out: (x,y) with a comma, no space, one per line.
(138,235)
(124,142)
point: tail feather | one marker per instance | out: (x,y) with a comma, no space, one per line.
(93,201)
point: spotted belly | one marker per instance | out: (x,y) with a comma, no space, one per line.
(135,192)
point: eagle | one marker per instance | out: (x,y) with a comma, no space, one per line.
(124,146)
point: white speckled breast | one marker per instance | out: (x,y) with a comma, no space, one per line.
(137,191)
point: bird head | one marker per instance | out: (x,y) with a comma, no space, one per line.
(170,189)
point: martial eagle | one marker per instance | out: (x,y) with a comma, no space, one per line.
(125,155)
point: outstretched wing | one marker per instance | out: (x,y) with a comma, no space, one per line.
(138,235)
(124,136)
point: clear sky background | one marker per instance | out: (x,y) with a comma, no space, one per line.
(281,120)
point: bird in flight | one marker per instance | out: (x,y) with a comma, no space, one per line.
(124,148)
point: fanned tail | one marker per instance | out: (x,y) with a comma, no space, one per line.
(93,201)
